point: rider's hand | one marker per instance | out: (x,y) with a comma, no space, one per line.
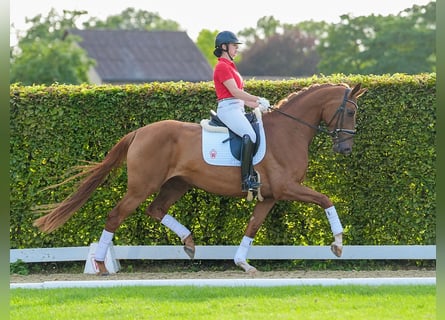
(263,104)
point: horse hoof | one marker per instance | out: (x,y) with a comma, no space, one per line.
(247,267)
(102,270)
(336,249)
(189,251)
(252,271)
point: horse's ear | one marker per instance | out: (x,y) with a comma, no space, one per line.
(357,91)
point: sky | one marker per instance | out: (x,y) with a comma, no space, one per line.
(195,15)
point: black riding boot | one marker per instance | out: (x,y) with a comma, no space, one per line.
(249,181)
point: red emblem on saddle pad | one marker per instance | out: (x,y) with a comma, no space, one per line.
(213,153)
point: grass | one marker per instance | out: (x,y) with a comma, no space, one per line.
(223,303)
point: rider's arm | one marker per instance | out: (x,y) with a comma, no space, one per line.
(249,99)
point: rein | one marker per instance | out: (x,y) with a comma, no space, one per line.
(338,114)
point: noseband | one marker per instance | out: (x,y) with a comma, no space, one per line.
(338,117)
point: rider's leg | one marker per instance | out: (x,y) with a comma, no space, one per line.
(248,182)
(233,116)
(231,112)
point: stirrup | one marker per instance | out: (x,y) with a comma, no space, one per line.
(250,184)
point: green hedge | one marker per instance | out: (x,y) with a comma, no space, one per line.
(384,192)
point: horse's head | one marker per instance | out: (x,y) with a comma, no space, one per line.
(341,119)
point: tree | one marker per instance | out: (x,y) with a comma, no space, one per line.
(51,27)
(46,54)
(46,62)
(265,28)
(291,54)
(206,44)
(131,19)
(275,49)
(43,56)
(377,45)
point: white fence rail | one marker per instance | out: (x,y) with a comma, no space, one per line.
(387,252)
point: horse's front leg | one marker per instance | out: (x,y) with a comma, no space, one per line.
(256,220)
(305,194)
(337,230)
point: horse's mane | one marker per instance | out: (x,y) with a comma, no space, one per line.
(305,91)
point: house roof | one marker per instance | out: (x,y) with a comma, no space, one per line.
(135,56)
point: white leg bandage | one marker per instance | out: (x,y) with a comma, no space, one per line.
(102,247)
(243,249)
(175,226)
(334,221)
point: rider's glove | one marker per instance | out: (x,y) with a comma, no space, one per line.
(263,104)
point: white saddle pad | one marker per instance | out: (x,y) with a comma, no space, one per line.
(216,152)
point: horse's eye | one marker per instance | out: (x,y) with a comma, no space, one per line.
(350,112)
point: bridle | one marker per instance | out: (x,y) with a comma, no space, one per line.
(338,117)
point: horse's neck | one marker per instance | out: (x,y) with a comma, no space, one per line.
(301,115)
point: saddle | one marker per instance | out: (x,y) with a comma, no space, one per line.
(215,124)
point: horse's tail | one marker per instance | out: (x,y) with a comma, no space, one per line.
(95,175)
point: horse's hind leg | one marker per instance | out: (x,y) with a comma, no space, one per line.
(170,192)
(120,212)
(259,215)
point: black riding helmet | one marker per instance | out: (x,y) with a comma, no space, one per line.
(224,37)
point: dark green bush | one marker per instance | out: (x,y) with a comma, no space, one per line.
(384,192)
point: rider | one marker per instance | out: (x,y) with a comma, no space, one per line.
(231,100)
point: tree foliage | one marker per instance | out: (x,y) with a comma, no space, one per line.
(381,44)
(206,44)
(132,19)
(46,62)
(403,43)
(266,27)
(50,27)
(275,49)
(292,53)
(44,56)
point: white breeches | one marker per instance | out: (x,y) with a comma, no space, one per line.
(232,113)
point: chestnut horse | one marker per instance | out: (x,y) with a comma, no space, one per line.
(166,157)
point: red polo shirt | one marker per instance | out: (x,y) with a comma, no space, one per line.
(225,70)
